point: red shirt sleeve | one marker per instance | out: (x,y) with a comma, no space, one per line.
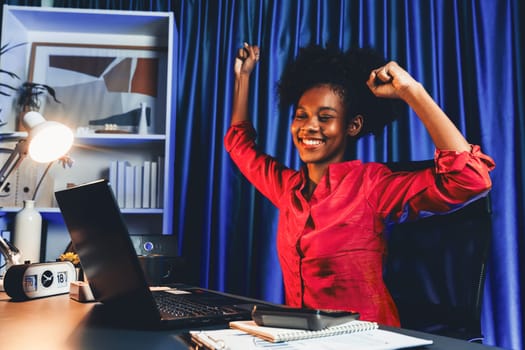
(267,175)
(454,181)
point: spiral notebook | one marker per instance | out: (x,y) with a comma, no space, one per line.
(355,335)
(276,335)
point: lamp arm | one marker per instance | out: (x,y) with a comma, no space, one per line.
(13,162)
(10,252)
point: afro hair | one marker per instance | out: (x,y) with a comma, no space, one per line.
(347,73)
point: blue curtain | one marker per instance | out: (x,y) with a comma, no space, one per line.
(467,53)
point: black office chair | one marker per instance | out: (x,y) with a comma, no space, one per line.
(435,269)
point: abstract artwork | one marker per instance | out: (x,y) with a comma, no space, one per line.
(96,82)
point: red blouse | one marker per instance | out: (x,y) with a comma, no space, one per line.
(331,248)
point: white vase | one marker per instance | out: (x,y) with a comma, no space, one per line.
(28,231)
(143,122)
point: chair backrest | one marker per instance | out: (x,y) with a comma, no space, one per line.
(435,269)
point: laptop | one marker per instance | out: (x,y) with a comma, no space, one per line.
(102,241)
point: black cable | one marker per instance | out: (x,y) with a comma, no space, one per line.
(41,179)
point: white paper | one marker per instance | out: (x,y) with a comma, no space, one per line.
(370,340)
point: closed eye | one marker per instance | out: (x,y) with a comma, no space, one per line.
(325,117)
(300,116)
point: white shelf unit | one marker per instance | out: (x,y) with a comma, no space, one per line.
(44,32)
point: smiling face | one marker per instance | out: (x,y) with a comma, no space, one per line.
(320,128)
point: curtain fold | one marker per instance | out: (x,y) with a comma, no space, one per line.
(467,53)
(464,53)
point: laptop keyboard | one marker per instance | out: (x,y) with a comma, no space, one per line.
(180,306)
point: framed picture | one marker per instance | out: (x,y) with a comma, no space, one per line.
(100,85)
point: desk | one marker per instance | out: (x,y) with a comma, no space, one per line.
(60,323)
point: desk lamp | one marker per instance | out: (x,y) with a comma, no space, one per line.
(46,141)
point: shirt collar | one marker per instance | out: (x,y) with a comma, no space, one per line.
(334,175)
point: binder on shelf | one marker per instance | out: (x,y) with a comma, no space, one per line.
(160,182)
(121,182)
(153,185)
(113,176)
(129,187)
(138,186)
(146,184)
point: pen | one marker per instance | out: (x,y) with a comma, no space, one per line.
(204,341)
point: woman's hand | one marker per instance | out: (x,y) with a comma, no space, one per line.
(391,81)
(246,58)
(245,61)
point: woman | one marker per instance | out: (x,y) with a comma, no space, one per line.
(333,213)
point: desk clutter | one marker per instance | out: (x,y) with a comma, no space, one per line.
(358,335)
(81,292)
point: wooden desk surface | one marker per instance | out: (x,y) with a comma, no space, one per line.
(60,323)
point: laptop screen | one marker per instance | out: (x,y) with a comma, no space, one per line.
(101,239)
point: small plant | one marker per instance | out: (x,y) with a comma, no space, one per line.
(7,89)
(71,257)
(4,86)
(29,95)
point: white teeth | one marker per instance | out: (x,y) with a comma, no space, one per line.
(310,142)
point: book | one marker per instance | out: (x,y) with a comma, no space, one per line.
(146,185)
(121,182)
(113,176)
(375,339)
(160,182)
(138,186)
(129,187)
(153,185)
(276,335)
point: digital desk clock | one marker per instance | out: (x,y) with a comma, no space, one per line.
(30,281)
